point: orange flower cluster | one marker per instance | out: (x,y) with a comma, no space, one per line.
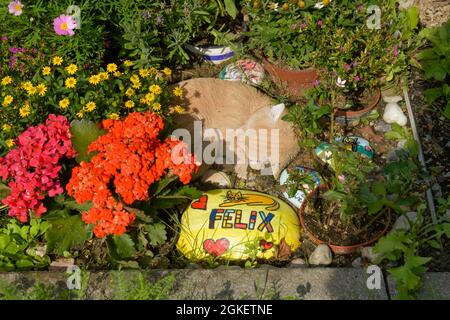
(129,158)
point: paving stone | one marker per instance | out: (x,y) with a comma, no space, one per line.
(435,286)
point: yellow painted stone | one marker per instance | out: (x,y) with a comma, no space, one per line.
(237,224)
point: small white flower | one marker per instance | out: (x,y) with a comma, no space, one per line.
(273,6)
(320,5)
(341,83)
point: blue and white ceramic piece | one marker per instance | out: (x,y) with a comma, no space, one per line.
(298,199)
(213,54)
(355,144)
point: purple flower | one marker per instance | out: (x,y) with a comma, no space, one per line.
(14,50)
(319,22)
(293,26)
(316,83)
(347,67)
(395,51)
(304,26)
(357,78)
(360,7)
(355,64)
(4,38)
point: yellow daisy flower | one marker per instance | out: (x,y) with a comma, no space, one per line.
(136,84)
(57,60)
(25,110)
(10,143)
(128,63)
(167,71)
(143,100)
(90,106)
(130,92)
(8,100)
(6,127)
(149,97)
(27,85)
(94,79)
(32,91)
(178,109)
(154,88)
(117,74)
(177,91)
(112,67)
(104,76)
(70,82)
(80,114)
(71,69)
(134,78)
(156,107)
(129,104)
(41,89)
(144,73)
(153,70)
(6,80)
(113,116)
(46,71)
(64,103)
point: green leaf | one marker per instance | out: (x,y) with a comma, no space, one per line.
(413,18)
(447,110)
(24,263)
(189,192)
(230,8)
(84,132)
(379,188)
(156,233)
(392,245)
(4,241)
(375,207)
(66,233)
(433,94)
(122,246)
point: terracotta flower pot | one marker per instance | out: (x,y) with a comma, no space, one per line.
(352,115)
(337,249)
(295,81)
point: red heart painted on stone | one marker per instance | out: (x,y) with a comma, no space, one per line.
(266,245)
(216,248)
(200,203)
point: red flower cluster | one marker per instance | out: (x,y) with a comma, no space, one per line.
(132,158)
(33,166)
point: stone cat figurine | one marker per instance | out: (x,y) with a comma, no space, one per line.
(222,105)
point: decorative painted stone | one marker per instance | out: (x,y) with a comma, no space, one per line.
(299,197)
(247,71)
(355,144)
(235,224)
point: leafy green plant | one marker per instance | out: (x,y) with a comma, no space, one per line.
(20,246)
(34,29)
(306,119)
(435,62)
(404,246)
(139,288)
(155,33)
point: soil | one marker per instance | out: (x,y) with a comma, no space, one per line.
(359,102)
(336,231)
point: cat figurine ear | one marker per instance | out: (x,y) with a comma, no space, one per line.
(238,196)
(276,111)
(229,195)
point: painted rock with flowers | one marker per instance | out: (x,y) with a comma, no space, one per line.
(237,224)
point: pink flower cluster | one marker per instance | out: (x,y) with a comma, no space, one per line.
(33,166)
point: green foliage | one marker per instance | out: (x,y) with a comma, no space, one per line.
(34,29)
(84,132)
(306,119)
(155,33)
(435,62)
(404,246)
(66,233)
(139,288)
(19,246)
